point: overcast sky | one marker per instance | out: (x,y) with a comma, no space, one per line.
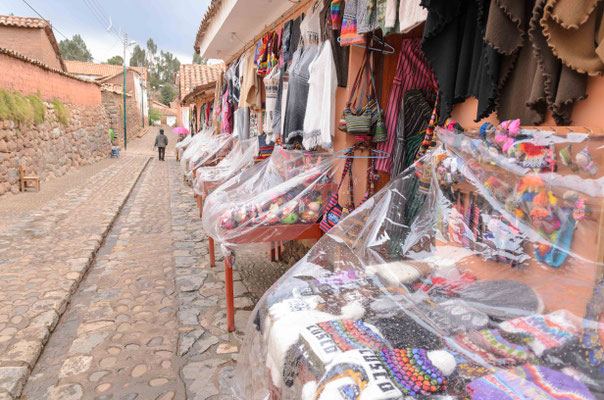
(172,24)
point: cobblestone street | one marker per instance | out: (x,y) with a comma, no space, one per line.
(106,291)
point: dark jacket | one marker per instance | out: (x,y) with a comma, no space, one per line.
(161,140)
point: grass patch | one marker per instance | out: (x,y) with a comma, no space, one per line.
(61,112)
(39,108)
(22,109)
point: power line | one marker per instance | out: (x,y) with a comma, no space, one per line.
(40,15)
(101,18)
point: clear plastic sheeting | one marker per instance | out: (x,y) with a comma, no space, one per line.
(282,196)
(197,142)
(239,158)
(182,145)
(474,274)
(212,151)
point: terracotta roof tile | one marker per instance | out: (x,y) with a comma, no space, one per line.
(23,22)
(35,23)
(14,54)
(98,70)
(190,76)
(205,22)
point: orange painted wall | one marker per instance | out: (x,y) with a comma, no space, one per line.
(586,112)
(26,78)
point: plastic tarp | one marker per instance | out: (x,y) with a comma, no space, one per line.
(197,142)
(288,189)
(476,274)
(239,158)
(182,145)
(211,151)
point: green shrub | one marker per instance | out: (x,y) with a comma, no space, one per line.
(61,112)
(21,109)
(154,115)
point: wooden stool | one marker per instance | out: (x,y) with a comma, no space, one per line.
(28,179)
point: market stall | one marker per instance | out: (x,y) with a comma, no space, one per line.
(477,273)
(282,198)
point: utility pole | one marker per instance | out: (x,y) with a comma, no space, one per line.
(124,92)
(142,97)
(126,45)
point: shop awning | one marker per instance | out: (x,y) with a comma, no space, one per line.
(229,25)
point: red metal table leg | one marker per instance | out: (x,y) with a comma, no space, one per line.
(211,250)
(272,251)
(228,280)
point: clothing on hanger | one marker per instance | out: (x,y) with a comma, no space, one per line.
(463,63)
(330,30)
(412,72)
(529,69)
(297,92)
(320,115)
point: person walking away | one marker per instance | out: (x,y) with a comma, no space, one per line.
(161,141)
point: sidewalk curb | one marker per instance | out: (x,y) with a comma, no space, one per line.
(83,269)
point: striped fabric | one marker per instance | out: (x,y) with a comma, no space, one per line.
(333,210)
(337,7)
(412,72)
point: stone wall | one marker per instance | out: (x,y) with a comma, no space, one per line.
(51,149)
(114,103)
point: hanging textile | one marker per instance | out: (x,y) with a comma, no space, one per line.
(463,63)
(231,76)
(241,120)
(412,72)
(250,85)
(350,34)
(366,16)
(320,117)
(271,87)
(310,27)
(297,92)
(410,14)
(529,70)
(218,101)
(575,32)
(414,116)
(330,30)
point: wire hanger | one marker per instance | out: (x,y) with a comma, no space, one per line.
(377,154)
(386,48)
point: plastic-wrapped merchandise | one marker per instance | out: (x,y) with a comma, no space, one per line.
(476,273)
(197,142)
(239,158)
(213,150)
(182,145)
(290,188)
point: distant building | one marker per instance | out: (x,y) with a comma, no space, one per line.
(32,38)
(168,114)
(113,76)
(196,85)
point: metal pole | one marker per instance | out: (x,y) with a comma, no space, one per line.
(124,91)
(142,98)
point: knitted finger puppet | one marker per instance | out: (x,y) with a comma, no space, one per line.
(386,374)
(289,212)
(585,162)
